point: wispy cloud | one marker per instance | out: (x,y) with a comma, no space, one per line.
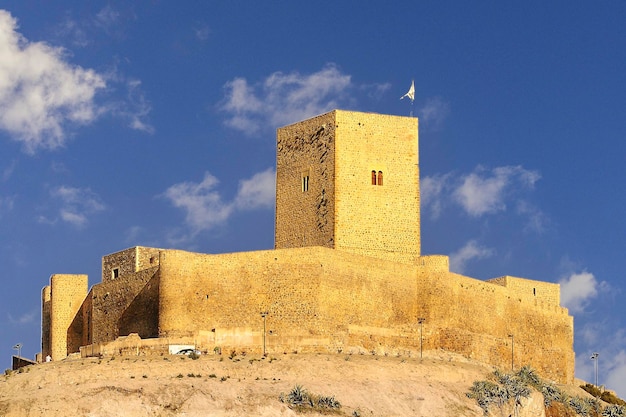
(40,93)
(432,193)
(203,204)
(283,98)
(25,318)
(579,289)
(43,96)
(469,252)
(202,31)
(135,108)
(76,204)
(433,113)
(483,192)
(612,355)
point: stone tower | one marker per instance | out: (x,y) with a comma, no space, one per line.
(350,181)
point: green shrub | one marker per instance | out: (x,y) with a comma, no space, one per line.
(300,399)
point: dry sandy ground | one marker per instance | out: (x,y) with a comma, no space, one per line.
(249,385)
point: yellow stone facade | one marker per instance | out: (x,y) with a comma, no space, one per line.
(346,274)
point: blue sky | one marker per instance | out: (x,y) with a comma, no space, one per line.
(128,123)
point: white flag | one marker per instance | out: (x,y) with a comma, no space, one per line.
(411,93)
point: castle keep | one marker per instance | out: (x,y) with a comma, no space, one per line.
(346,273)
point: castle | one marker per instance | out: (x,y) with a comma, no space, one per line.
(346,273)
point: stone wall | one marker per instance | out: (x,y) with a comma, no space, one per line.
(377,220)
(67,293)
(342,209)
(529,290)
(305,150)
(322,299)
(114,300)
(127,261)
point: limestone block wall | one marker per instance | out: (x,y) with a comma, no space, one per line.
(128,261)
(377,220)
(341,208)
(323,299)
(113,301)
(530,290)
(305,217)
(67,293)
(476,318)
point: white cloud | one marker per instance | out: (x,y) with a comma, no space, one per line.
(611,360)
(135,108)
(258,191)
(76,205)
(616,369)
(431,193)
(283,98)
(471,251)
(578,289)
(204,206)
(483,192)
(26,318)
(40,93)
(433,113)
(202,31)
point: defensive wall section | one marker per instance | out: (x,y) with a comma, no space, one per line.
(62,299)
(346,301)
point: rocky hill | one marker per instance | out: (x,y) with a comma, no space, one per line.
(249,385)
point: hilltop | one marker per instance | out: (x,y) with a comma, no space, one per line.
(245,385)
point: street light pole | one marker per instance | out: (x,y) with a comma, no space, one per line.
(594,358)
(512,351)
(421,320)
(264,315)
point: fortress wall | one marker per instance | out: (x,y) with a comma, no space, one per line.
(142,314)
(124,261)
(305,218)
(530,290)
(112,298)
(314,293)
(379,221)
(204,292)
(45,321)
(67,293)
(475,318)
(129,260)
(146,257)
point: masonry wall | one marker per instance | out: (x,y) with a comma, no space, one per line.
(323,299)
(530,290)
(377,220)
(305,217)
(476,318)
(114,300)
(67,293)
(128,261)
(342,209)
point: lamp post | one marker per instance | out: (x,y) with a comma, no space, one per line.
(512,351)
(421,321)
(264,315)
(594,358)
(18,347)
